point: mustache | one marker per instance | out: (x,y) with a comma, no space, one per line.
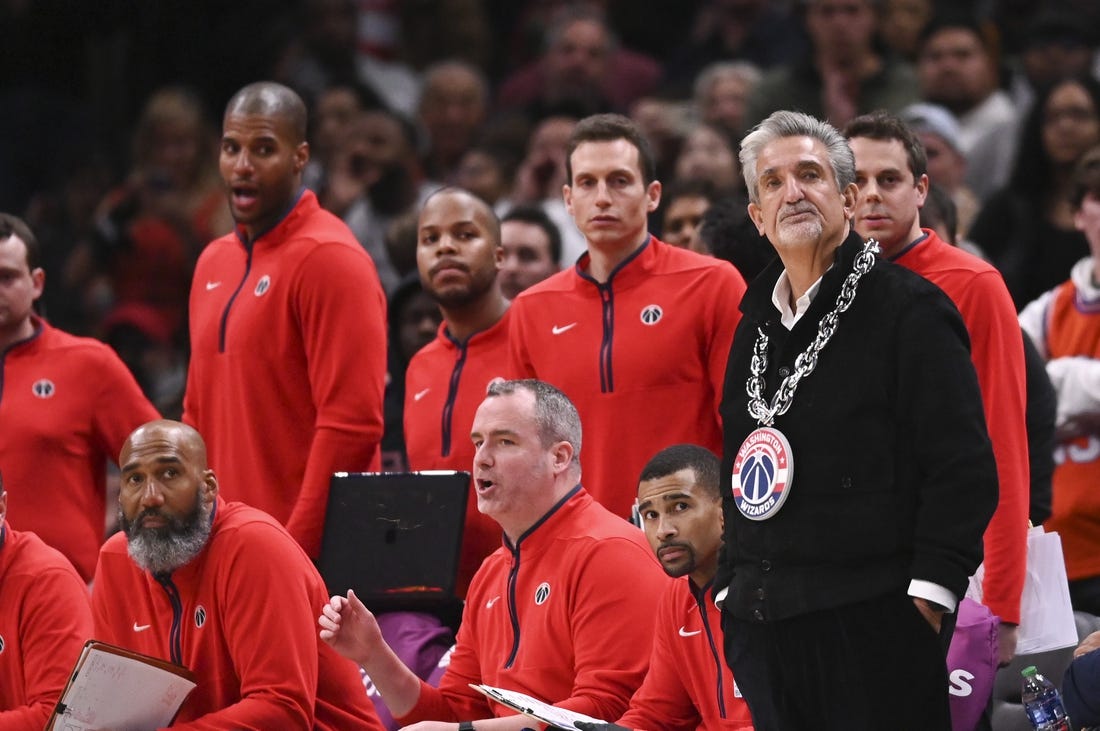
(674,544)
(794,210)
(448,264)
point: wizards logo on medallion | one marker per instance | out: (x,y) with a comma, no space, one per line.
(762,473)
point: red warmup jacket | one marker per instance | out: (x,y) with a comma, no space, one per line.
(444,384)
(566,616)
(688,685)
(67,404)
(997,350)
(44,622)
(288,364)
(643,357)
(242,616)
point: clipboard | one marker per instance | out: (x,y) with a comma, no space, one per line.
(533,707)
(112,687)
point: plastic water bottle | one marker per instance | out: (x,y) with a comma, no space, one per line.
(1043,702)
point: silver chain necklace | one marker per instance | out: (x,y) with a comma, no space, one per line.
(806,361)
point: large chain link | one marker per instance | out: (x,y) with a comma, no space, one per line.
(806,361)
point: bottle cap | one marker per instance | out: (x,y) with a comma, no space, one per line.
(1029,671)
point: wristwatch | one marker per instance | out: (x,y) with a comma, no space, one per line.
(466,726)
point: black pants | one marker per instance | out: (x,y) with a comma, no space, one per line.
(872,665)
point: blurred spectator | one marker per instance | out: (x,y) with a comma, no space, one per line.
(683,203)
(902,23)
(146,344)
(940,214)
(487,170)
(433,30)
(843,73)
(721,93)
(583,65)
(1027,228)
(373,178)
(938,131)
(1064,323)
(64,220)
(532,249)
(710,153)
(729,234)
(414,319)
(326,54)
(541,176)
(453,107)
(401,243)
(663,122)
(762,32)
(1058,44)
(150,230)
(957,67)
(334,110)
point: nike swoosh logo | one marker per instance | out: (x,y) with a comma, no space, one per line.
(559,330)
(489,604)
(420,394)
(212,285)
(141,627)
(684,633)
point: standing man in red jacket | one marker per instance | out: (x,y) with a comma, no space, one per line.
(637,332)
(459,257)
(65,402)
(288,327)
(892,180)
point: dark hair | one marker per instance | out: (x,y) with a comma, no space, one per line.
(962,20)
(608,128)
(731,235)
(536,216)
(1031,174)
(671,460)
(14,226)
(1086,177)
(940,212)
(883,126)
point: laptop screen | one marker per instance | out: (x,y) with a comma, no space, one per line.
(394,537)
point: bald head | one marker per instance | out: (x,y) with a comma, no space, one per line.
(269,99)
(164,433)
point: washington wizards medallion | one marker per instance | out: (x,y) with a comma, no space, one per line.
(762,473)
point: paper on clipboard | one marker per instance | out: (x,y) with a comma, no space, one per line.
(115,688)
(533,707)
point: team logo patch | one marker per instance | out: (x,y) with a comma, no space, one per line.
(762,473)
(652,314)
(43,388)
(542,593)
(262,286)
(200,616)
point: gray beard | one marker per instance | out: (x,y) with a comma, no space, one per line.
(163,550)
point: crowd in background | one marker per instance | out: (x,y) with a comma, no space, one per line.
(110,138)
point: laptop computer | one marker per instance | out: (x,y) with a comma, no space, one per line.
(394,537)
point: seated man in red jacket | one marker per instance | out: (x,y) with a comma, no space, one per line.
(688,687)
(563,611)
(44,622)
(220,588)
